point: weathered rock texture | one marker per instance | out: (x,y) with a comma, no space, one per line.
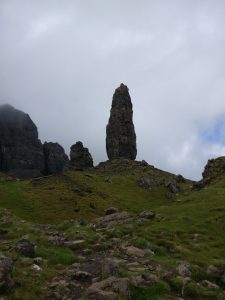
(21,152)
(215,168)
(120,133)
(55,158)
(80,158)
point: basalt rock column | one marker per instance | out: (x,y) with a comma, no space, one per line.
(120,133)
(80,158)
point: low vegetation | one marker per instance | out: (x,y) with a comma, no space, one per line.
(188,229)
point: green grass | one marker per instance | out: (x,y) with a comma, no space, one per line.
(189,227)
(157,291)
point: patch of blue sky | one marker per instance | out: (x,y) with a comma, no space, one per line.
(215,134)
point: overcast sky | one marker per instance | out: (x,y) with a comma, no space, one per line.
(60,61)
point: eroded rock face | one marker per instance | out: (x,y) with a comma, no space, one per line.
(55,158)
(120,133)
(21,152)
(215,168)
(80,158)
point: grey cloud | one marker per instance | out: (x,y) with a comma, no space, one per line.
(60,61)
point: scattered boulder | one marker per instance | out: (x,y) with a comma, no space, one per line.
(120,132)
(82,276)
(147,215)
(36,268)
(114,219)
(110,266)
(25,247)
(55,158)
(147,183)
(145,280)
(183,269)
(172,186)
(74,244)
(21,152)
(80,158)
(111,210)
(96,294)
(116,285)
(133,251)
(38,261)
(6,281)
(210,285)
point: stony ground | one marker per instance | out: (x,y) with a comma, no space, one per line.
(168,244)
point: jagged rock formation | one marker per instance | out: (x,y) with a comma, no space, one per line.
(21,152)
(120,133)
(55,158)
(213,169)
(80,158)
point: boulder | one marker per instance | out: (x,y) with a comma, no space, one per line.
(114,219)
(172,186)
(120,132)
(111,210)
(147,215)
(55,158)
(80,158)
(133,251)
(21,152)
(25,247)
(147,183)
(116,285)
(6,281)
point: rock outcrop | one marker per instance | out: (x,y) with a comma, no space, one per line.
(6,281)
(214,168)
(55,158)
(120,132)
(21,152)
(80,158)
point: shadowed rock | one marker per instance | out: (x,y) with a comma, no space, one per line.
(120,133)
(6,281)
(215,168)
(21,152)
(55,158)
(80,158)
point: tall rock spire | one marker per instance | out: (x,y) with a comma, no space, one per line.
(120,133)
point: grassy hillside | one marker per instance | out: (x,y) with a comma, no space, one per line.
(189,226)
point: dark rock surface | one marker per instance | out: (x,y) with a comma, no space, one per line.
(55,158)
(21,152)
(120,133)
(214,169)
(80,158)
(6,281)
(25,247)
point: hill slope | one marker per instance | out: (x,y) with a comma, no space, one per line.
(179,253)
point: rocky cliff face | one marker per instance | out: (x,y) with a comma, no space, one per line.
(80,156)
(21,152)
(55,158)
(214,168)
(120,133)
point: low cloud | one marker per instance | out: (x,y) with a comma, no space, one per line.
(61,62)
